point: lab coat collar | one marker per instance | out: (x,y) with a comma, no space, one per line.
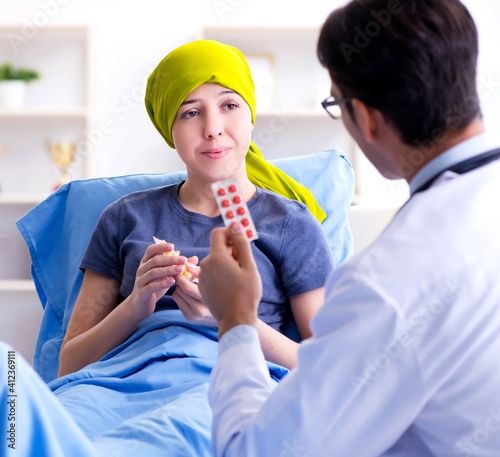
(465,150)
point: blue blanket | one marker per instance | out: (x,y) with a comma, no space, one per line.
(147,397)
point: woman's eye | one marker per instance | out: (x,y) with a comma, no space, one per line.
(190,114)
(231,106)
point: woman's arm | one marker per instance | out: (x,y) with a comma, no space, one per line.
(98,323)
(304,307)
(92,331)
(277,347)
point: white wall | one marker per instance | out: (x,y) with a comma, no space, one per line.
(131,37)
(129,40)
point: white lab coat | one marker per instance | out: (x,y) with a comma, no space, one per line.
(405,357)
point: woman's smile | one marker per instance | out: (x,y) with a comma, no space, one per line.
(216,153)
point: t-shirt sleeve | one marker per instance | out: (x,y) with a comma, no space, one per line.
(103,252)
(306,256)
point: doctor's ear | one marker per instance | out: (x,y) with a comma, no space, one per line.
(368,119)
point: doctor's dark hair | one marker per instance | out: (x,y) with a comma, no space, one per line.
(414,60)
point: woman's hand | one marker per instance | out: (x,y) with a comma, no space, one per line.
(188,297)
(155,275)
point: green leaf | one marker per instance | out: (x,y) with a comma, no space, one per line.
(8,72)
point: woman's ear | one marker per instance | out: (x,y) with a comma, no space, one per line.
(367,119)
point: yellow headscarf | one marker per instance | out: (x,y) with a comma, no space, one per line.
(208,61)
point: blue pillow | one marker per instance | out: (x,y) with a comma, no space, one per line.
(57,232)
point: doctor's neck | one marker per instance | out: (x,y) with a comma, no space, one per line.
(452,138)
(440,143)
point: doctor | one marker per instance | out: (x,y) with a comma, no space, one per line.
(404,357)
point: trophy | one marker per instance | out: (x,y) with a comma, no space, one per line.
(62,155)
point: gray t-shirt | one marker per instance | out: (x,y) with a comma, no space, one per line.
(292,253)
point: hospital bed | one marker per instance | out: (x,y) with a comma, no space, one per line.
(147,396)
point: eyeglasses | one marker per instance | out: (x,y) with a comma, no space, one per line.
(332,106)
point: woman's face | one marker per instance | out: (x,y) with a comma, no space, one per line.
(212,132)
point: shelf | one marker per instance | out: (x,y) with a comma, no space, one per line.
(305,112)
(289,51)
(9,31)
(61,54)
(17,285)
(58,108)
(258,34)
(22,199)
(39,113)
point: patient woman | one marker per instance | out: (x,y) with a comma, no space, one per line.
(201,100)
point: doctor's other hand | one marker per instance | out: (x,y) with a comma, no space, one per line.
(230,283)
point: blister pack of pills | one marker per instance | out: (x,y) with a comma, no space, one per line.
(233,207)
(185,273)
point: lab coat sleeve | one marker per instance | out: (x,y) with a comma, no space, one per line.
(335,403)
(232,411)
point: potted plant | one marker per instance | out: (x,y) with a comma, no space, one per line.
(13,84)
